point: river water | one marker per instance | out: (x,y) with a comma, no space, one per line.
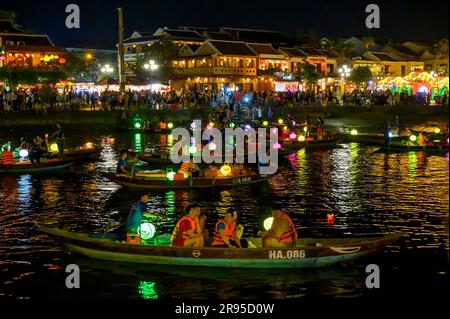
(370,192)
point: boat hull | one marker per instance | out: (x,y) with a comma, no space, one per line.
(39,167)
(407,148)
(309,255)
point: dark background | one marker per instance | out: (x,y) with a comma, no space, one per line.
(400,20)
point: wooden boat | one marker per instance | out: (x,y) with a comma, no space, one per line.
(413,148)
(314,144)
(307,253)
(143,130)
(160,158)
(27,166)
(160,181)
(81,153)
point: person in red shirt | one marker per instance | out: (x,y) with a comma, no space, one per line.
(188,232)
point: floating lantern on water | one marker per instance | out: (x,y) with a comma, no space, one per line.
(301,138)
(268,223)
(54,147)
(137,125)
(330,219)
(293,136)
(354,132)
(23,153)
(225,170)
(413,138)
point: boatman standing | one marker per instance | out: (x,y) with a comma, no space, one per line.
(137,211)
(282,233)
(188,232)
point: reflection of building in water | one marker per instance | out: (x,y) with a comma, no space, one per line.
(24,193)
(147,290)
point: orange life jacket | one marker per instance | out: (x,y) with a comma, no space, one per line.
(229,232)
(7,158)
(176,231)
(185,168)
(291,234)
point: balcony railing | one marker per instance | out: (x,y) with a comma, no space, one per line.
(215,71)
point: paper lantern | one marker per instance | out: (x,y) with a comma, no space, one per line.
(301,138)
(354,132)
(62,60)
(54,147)
(225,170)
(268,223)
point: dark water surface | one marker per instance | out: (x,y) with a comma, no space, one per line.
(369,192)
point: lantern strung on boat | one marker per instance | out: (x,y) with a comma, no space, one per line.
(437,130)
(301,138)
(285,128)
(23,153)
(170,125)
(146,230)
(225,170)
(330,219)
(280,121)
(268,223)
(137,125)
(54,147)
(413,138)
(265,123)
(293,136)
(354,132)
(170,176)
(89,145)
(232,125)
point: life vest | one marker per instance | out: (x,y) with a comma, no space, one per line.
(421,139)
(291,234)
(185,168)
(229,232)
(7,158)
(176,230)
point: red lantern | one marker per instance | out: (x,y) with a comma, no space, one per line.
(330,219)
(62,60)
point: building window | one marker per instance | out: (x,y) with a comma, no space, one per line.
(330,68)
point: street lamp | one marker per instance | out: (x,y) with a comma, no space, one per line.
(107,69)
(152,66)
(344,71)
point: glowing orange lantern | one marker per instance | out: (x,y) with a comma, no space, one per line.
(62,60)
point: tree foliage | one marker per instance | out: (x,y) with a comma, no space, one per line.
(309,73)
(31,76)
(361,74)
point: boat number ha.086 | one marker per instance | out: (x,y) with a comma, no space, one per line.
(287,254)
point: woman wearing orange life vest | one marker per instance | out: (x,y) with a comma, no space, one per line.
(226,234)
(282,233)
(188,232)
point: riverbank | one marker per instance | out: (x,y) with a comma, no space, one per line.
(335,116)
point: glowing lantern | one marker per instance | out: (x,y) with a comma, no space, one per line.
(390,135)
(354,132)
(293,136)
(186,175)
(192,149)
(305,129)
(89,145)
(232,125)
(265,123)
(437,130)
(62,60)
(170,125)
(137,125)
(268,223)
(47,58)
(285,128)
(301,138)
(211,124)
(23,153)
(280,121)
(330,219)
(146,230)
(413,138)
(54,147)
(170,176)
(212,146)
(276,146)
(225,170)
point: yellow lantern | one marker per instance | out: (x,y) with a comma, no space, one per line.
(437,130)
(225,170)
(54,147)
(301,138)
(280,121)
(268,223)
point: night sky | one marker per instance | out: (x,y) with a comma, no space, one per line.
(400,20)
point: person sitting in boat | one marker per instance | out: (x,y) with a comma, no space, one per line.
(137,211)
(319,126)
(188,232)
(38,149)
(227,233)
(282,233)
(121,168)
(7,156)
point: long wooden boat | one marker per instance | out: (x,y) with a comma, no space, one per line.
(83,153)
(314,144)
(27,166)
(160,181)
(307,253)
(416,148)
(143,130)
